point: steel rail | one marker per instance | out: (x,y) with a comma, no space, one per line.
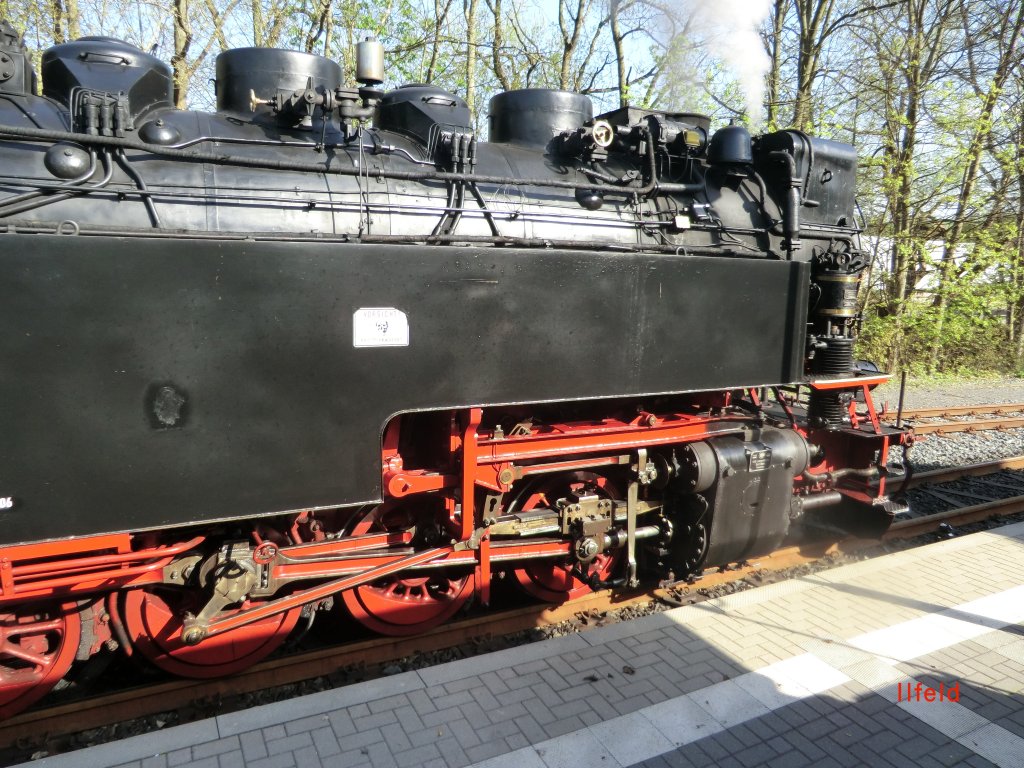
(974,425)
(961,410)
(949,474)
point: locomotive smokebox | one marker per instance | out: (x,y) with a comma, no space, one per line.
(265,72)
(534,116)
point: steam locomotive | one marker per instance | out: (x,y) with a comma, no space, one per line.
(326,347)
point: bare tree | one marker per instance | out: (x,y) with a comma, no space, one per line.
(774,46)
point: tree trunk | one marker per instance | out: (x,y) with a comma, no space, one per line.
(620,54)
(570,39)
(74,22)
(179,60)
(471,41)
(497,55)
(813,17)
(774,46)
(440,17)
(57,21)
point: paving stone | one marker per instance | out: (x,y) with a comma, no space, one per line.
(394,736)
(506,713)
(420,755)
(253,745)
(435,719)
(306,724)
(632,739)
(805,745)
(563,726)
(360,740)
(516,741)
(484,698)
(755,755)
(179,757)
(353,757)
(408,719)
(326,742)
(342,724)
(289,744)
(213,748)
(284,760)
(422,703)
(307,758)
(373,722)
(576,749)
(728,703)
(485,751)
(919,745)
(231,760)
(389,702)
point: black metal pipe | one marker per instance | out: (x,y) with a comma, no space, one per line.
(651,187)
(791,207)
(75,182)
(147,199)
(487,212)
(515,242)
(819,500)
(31,205)
(899,408)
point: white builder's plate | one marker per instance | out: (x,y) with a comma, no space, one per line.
(380,327)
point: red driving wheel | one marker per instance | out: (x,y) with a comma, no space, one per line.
(153,621)
(552,580)
(37,647)
(404,605)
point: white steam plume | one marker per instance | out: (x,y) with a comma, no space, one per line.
(733,36)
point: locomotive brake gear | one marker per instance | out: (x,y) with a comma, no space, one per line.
(643,475)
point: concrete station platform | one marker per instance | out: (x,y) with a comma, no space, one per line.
(806,672)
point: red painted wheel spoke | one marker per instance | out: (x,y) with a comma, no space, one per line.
(42,626)
(551,580)
(15,650)
(153,623)
(398,606)
(36,651)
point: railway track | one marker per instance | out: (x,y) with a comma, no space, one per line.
(949,474)
(973,425)
(911,414)
(955,421)
(107,709)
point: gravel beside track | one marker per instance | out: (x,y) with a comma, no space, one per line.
(927,394)
(935,451)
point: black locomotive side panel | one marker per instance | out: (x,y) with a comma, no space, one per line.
(153,382)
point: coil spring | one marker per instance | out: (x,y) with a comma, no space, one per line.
(836,359)
(827,409)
